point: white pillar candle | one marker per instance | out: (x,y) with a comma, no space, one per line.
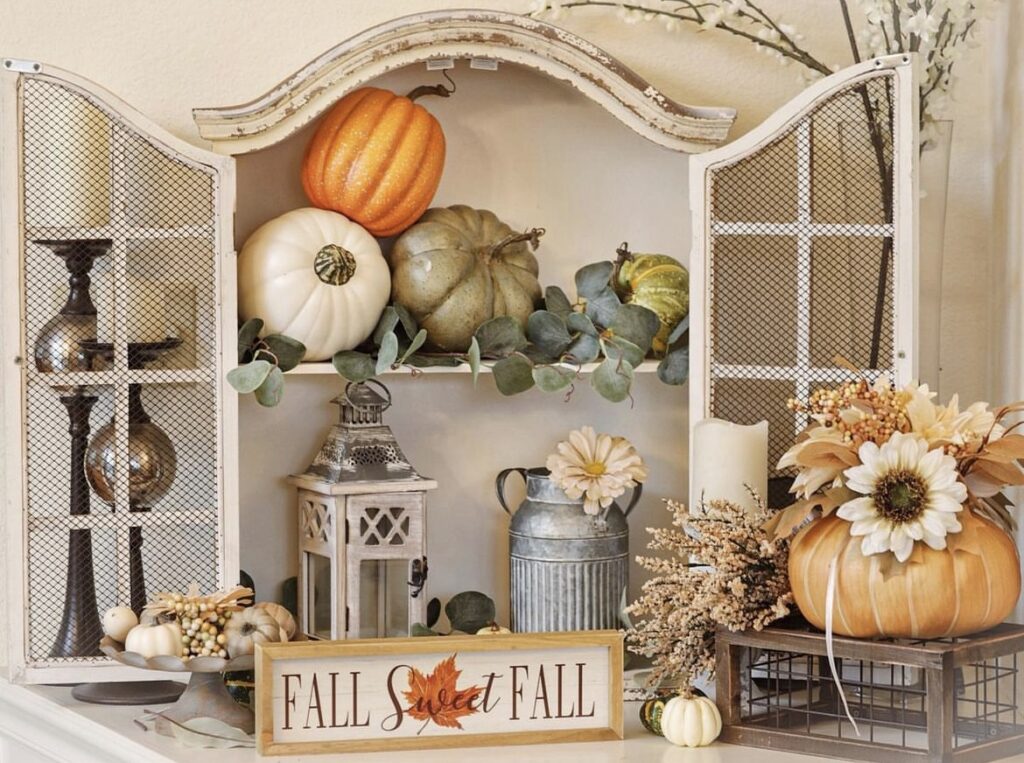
(147,315)
(725,458)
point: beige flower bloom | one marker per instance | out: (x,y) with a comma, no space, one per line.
(811,478)
(908,493)
(595,467)
(945,425)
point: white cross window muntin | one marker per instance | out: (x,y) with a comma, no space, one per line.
(750,350)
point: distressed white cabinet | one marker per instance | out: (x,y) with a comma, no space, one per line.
(118,325)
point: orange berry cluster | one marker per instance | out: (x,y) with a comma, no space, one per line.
(873,414)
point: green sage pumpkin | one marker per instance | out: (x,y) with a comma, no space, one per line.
(458,267)
(659,283)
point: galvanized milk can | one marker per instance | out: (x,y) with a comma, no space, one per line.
(568,569)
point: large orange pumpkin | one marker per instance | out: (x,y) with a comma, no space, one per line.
(952,592)
(377,158)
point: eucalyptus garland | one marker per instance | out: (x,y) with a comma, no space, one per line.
(550,353)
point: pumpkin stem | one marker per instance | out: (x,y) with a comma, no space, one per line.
(439,90)
(334,265)
(533,236)
(624,256)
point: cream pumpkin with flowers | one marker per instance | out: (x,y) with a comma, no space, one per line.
(910,530)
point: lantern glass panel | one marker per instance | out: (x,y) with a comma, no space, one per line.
(383,598)
(320,591)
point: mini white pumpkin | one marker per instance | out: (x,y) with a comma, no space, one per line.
(691,722)
(154,640)
(118,621)
(316,276)
(493,630)
(285,619)
(249,627)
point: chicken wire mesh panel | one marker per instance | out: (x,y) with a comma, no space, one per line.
(121,395)
(801,267)
(796,693)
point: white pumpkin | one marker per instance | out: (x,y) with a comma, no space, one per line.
(493,630)
(285,619)
(690,722)
(154,640)
(249,627)
(118,621)
(316,276)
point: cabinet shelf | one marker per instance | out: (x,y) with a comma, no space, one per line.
(118,232)
(314,369)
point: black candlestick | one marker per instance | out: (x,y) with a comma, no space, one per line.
(57,350)
(80,629)
(151,456)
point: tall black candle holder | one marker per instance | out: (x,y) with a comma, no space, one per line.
(152,461)
(58,349)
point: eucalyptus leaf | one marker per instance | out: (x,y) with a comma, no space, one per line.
(433,612)
(426,360)
(548,332)
(612,379)
(388,321)
(289,352)
(674,368)
(474,359)
(552,378)
(584,349)
(579,323)
(592,279)
(500,336)
(388,353)
(354,366)
(419,629)
(269,393)
(616,347)
(636,324)
(415,344)
(513,375)
(556,301)
(680,328)
(602,307)
(409,324)
(470,611)
(247,335)
(248,378)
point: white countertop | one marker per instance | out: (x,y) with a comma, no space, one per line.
(44,723)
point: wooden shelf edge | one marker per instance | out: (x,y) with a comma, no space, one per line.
(315,369)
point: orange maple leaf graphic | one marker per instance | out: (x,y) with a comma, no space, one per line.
(437,698)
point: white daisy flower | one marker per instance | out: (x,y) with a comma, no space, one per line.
(909,493)
(597,468)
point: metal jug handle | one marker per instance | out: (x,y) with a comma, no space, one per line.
(499,485)
(638,490)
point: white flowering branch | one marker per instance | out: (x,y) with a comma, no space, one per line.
(938,30)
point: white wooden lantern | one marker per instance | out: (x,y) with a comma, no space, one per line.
(362,528)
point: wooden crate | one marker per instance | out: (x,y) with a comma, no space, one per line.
(938,700)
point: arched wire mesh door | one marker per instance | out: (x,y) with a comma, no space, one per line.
(804,260)
(118,325)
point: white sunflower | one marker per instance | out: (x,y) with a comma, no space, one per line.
(597,468)
(909,493)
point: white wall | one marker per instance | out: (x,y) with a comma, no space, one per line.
(167,58)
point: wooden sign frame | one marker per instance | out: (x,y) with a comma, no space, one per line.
(503,652)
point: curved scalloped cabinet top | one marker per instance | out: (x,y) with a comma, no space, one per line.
(470,34)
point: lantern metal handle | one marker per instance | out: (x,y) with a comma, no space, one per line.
(499,485)
(386,392)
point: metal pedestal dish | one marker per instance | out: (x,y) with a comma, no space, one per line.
(206,696)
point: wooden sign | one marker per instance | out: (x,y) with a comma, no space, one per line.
(452,691)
